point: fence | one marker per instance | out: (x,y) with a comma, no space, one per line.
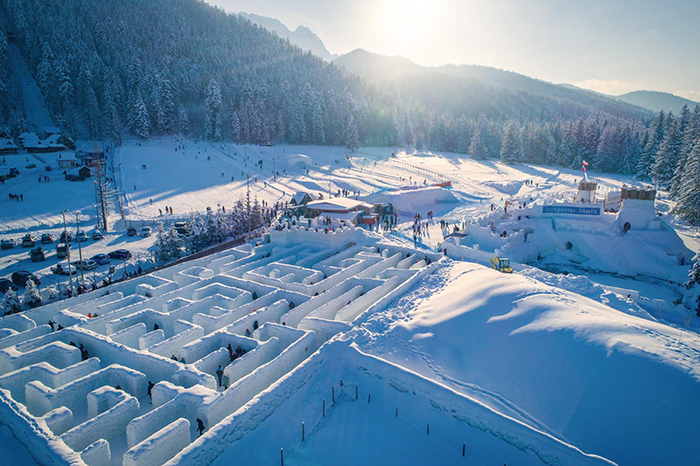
(419,170)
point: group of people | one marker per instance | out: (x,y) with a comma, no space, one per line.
(168,210)
(46,178)
(16,197)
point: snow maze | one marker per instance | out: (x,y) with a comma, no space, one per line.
(80,394)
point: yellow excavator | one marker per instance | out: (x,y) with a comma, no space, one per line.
(502,265)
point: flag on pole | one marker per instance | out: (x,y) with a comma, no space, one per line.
(585,164)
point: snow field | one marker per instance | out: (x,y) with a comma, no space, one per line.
(611,383)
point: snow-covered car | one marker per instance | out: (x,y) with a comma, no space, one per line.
(59,270)
(146,231)
(86,265)
(62,250)
(97,235)
(37,255)
(7,244)
(28,241)
(46,238)
(131,231)
(101,259)
(120,254)
(6,284)
(20,278)
(81,237)
(181,228)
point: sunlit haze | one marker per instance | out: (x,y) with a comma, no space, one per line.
(613,46)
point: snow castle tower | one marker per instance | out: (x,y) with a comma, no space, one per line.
(636,208)
(586,191)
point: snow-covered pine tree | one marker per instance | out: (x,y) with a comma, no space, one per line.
(352,138)
(31,296)
(212,109)
(140,121)
(511,146)
(479,148)
(10,302)
(667,156)
(655,135)
(688,195)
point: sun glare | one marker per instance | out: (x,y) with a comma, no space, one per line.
(405,22)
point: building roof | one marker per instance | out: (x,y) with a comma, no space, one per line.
(338,204)
(51,130)
(299,197)
(68,158)
(7,144)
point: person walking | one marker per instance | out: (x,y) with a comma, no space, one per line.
(219,375)
(150,390)
(200,426)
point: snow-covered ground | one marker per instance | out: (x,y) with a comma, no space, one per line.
(574,359)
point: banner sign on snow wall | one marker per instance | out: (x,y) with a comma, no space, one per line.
(576,210)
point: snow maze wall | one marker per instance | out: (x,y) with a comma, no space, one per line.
(208,336)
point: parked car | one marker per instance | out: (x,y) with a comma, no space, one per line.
(37,255)
(66,237)
(86,265)
(20,278)
(146,231)
(47,168)
(63,250)
(78,178)
(6,284)
(81,237)
(97,235)
(69,177)
(131,231)
(27,241)
(120,254)
(101,259)
(7,244)
(46,238)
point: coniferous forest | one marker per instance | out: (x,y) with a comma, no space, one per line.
(146,68)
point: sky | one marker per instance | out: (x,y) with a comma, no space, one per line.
(613,46)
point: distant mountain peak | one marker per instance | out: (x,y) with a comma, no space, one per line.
(303,37)
(657,100)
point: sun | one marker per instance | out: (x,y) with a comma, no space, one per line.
(405,22)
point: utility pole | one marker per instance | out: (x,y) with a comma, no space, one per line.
(65,235)
(80,247)
(247,185)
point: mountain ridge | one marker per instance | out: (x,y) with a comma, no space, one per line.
(303,37)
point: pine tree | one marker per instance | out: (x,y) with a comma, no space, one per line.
(694,274)
(10,303)
(352,138)
(31,296)
(212,106)
(654,138)
(668,155)
(140,121)
(688,196)
(479,148)
(511,146)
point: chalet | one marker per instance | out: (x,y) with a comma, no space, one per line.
(69,161)
(340,208)
(300,198)
(8,146)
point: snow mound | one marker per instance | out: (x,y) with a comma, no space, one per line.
(553,359)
